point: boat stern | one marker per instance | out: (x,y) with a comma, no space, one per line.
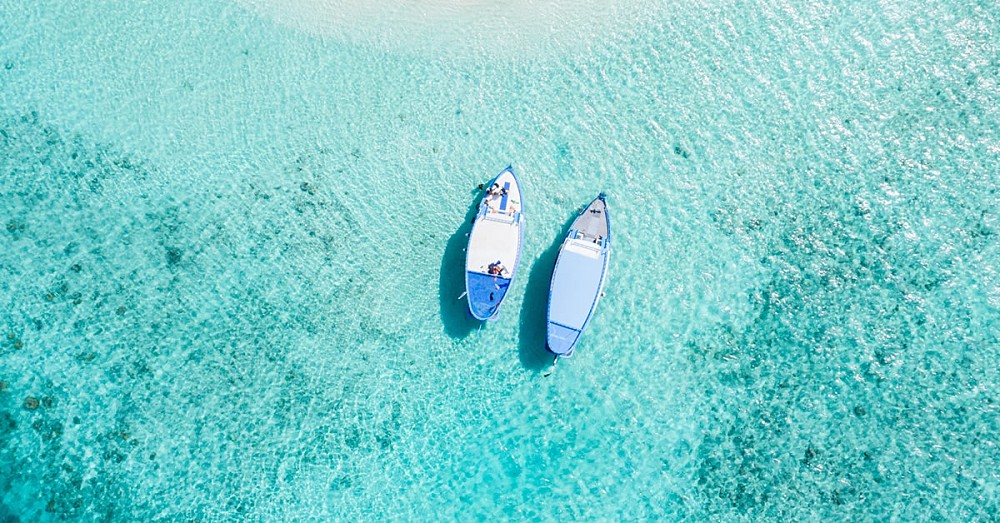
(561,340)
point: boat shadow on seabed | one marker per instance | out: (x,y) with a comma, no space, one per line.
(458,323)
(534,309)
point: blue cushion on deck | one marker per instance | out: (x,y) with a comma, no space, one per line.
(485,293)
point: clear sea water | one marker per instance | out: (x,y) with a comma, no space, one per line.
(231,253)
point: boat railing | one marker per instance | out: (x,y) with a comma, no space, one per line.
(502,217)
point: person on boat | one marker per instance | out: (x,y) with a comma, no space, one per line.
(494,189)
(496,268)
(597,239)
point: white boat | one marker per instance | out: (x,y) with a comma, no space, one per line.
(494,249)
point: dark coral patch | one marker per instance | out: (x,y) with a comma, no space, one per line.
(174,255)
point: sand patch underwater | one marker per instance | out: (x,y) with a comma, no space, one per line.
(516,27)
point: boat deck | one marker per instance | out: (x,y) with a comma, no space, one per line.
(494,239)
(576,285)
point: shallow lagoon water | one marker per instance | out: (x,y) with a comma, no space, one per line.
(230,252)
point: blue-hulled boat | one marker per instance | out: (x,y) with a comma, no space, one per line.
(494,246)
(578,278)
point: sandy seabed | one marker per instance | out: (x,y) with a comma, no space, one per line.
(470,25)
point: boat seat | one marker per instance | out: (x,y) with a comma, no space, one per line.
(584,247)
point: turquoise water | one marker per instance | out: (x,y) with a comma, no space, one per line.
(232,251)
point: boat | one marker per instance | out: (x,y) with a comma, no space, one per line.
(578,278)
(494,250)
